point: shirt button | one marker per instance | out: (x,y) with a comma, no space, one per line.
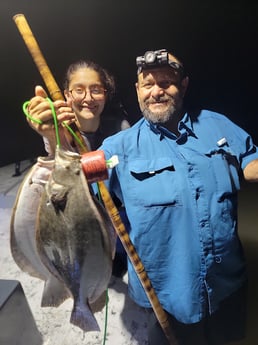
(218,259)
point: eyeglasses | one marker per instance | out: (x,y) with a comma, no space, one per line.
(79,93)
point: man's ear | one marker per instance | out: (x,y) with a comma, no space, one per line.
(137,88)
(184,85)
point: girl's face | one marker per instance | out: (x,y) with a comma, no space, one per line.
(86,94)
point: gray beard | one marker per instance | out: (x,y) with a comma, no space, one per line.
(160,117)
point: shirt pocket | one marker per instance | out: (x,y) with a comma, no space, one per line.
(226,170)
(153,182)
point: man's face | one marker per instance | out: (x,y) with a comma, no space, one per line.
(160,93)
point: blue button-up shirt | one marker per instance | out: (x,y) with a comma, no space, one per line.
(180,195)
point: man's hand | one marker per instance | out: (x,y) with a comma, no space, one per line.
(251,171)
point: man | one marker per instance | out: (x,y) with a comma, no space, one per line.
(178,177)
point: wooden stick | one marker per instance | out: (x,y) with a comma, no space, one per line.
(37,56)
(55,93)
(40,62)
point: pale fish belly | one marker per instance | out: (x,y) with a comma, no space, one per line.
(23,233)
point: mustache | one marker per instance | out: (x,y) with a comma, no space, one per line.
(160,99)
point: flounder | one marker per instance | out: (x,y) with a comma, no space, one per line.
(75,238)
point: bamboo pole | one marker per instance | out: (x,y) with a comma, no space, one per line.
(40,62)
(113,213)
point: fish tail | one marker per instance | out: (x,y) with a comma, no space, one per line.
(54,293)
(83,317)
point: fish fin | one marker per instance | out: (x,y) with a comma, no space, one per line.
(83,317)
(100,303)
(54,293)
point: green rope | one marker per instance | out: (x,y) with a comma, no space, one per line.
(55,121)
(73,134)
(106,317)
(25,111)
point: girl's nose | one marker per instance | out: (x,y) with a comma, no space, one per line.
(88,96)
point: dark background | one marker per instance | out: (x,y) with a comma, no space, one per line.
(217,40)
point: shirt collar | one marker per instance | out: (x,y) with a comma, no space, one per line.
(185,128)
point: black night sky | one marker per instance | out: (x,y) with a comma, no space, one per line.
(217,40)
